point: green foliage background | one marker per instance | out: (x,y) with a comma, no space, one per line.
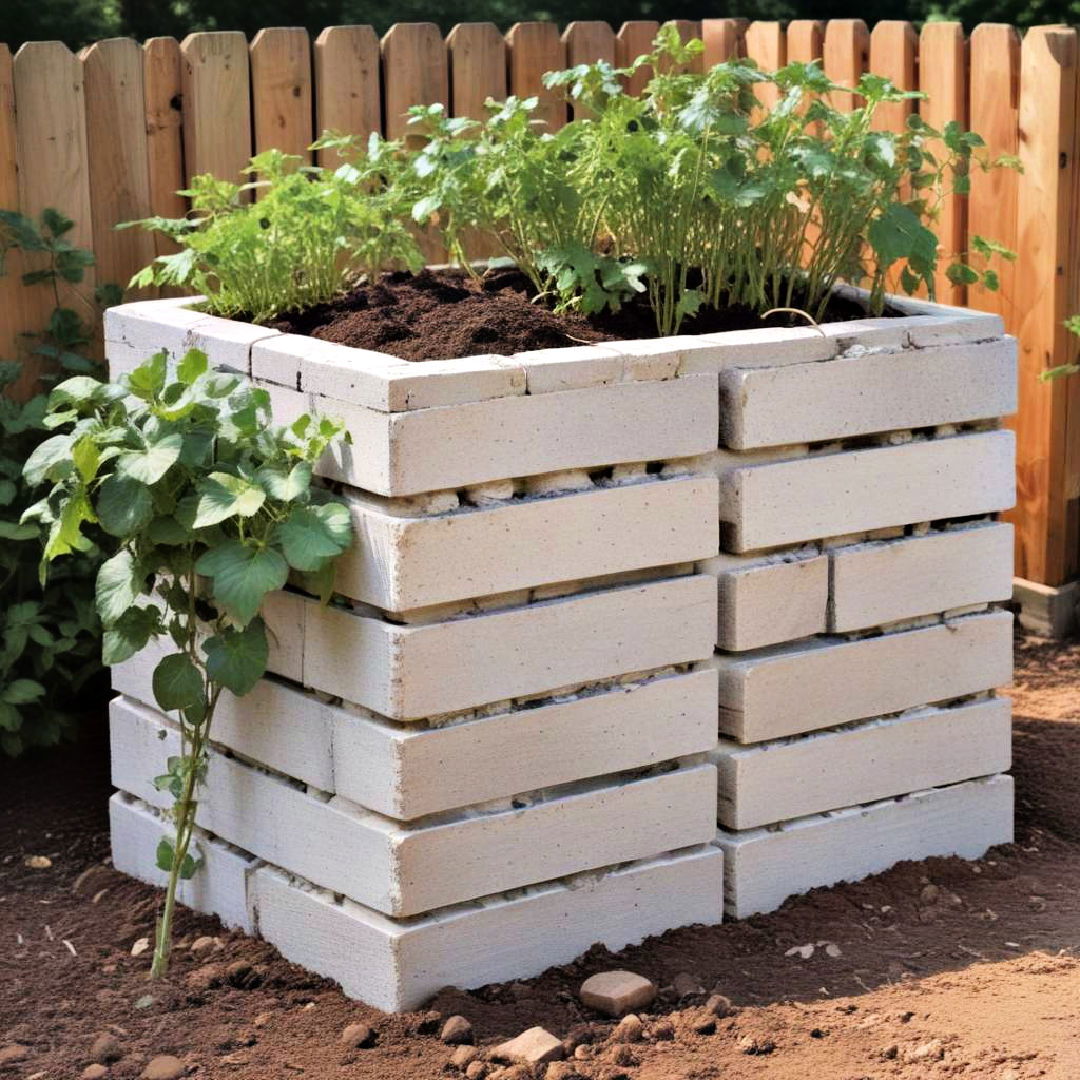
(79,22)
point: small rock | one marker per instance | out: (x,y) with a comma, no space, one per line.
(262,1020)
(94,1072)
(818,1033)
(463,1057)
(457,1031)
(242,975)
(202,945)
(930,894)
(429,1023)
(719,1006)
(359,1036)
(140,946)
(530,1048)
(803,952)
(621,1054)
(583,1052)
(12,1053)
(105,1049)
(477,1070)
(561,1070)
(617,992)
(705,1027)
(629,1029)
(891,1053)
(37,862)
(205,977)
(749,1045)
(685,985)
(664,1031)
(928,1051)
(164,1067)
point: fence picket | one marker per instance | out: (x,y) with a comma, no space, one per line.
(941,78)
(164,134)
(414,72)
(119,173)
(635,39)
(12,317)
(765,44)
(217,104)
(587,42)
(893,50)
(50,125)
(1047,545)
(846,52)
(994,89)
(724,40)
(477,53)
(536,48)
(805,40)
(281,90)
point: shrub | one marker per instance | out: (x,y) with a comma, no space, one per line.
(50,637)
(208,508)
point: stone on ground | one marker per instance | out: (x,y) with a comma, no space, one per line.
(164,1067)
(359,1036)
(616,992)
(12,1053)
(456,1031)
(531,1047)
(97,1071)
(105,1049)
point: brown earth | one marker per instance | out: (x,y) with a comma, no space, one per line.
(442,314)
(940,969)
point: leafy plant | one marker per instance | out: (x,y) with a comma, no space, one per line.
(50,637)
(1072,324)
(208,508)
(308,233)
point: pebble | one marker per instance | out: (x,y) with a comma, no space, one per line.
(140,946)
(928,1051)
(463,1057)
(456,1031)
(705,1027)
(685,985)
(94,1072)
(664,1031)
(37,862)
(621,1055)
(617,992)
(749,1045)
(202,945)
(719,1006)
(629,1029)
(12,1053)
(930,894)
(164,1067)
(359,1036)
(429,1023)
(242,975)
(203,978)
(476,1070)
(531,1047)
(105,1049)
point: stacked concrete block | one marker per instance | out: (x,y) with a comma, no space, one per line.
(603,598)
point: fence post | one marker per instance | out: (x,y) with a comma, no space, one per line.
(281,90)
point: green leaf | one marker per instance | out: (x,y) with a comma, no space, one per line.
(147,380)
(163,857)
(194,364)
(286,485)
(167,531)
(222,496)
(87,458)
(177,683)
(153,461)
(312,534)
(119,584)
(242,576)
(49,460)
(124,505)
(10,530)
(236,659)
(130,634)
(22,692)
(898,233)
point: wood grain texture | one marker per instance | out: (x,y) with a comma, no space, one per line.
(118,153)
(281,90)
(724,39)
(348,94)
(893,53)
(1045,293)
(53,163)
(414,73)
(217,104)
(477,53)
(12,316)
(942,78)
(847,52)
(535,48)
(805,40)
(765,44)
(164,133)
(587,42)
(635,39)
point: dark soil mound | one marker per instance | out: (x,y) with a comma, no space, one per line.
(442,314)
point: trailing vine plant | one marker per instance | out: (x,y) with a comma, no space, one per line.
(209,508)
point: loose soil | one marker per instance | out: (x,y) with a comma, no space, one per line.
(940,969)
(443,314)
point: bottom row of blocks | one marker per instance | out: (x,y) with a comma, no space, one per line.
(397,964)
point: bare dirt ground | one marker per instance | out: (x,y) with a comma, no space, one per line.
(938,969)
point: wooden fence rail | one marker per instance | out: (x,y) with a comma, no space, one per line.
(113,133)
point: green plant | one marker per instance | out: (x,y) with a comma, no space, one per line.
(309,232)
(50,636)
(208,508)
(1072,324)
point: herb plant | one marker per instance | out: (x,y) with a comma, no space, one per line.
(50,636)
(208,508)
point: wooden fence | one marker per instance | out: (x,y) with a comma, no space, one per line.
(113,133)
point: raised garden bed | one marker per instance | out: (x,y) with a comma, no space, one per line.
(574,568)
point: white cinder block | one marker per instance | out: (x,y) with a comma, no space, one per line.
(409,672)
(404,870)
(823,682)
(766,866)
(219,887)
(788,502)
(407,773)
(550,370)
(910,388)
(847,766)
(763,347)
(397,966)
(879,583)
(766,601)
(398,563)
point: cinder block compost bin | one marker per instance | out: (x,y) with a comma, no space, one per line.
(636,635)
